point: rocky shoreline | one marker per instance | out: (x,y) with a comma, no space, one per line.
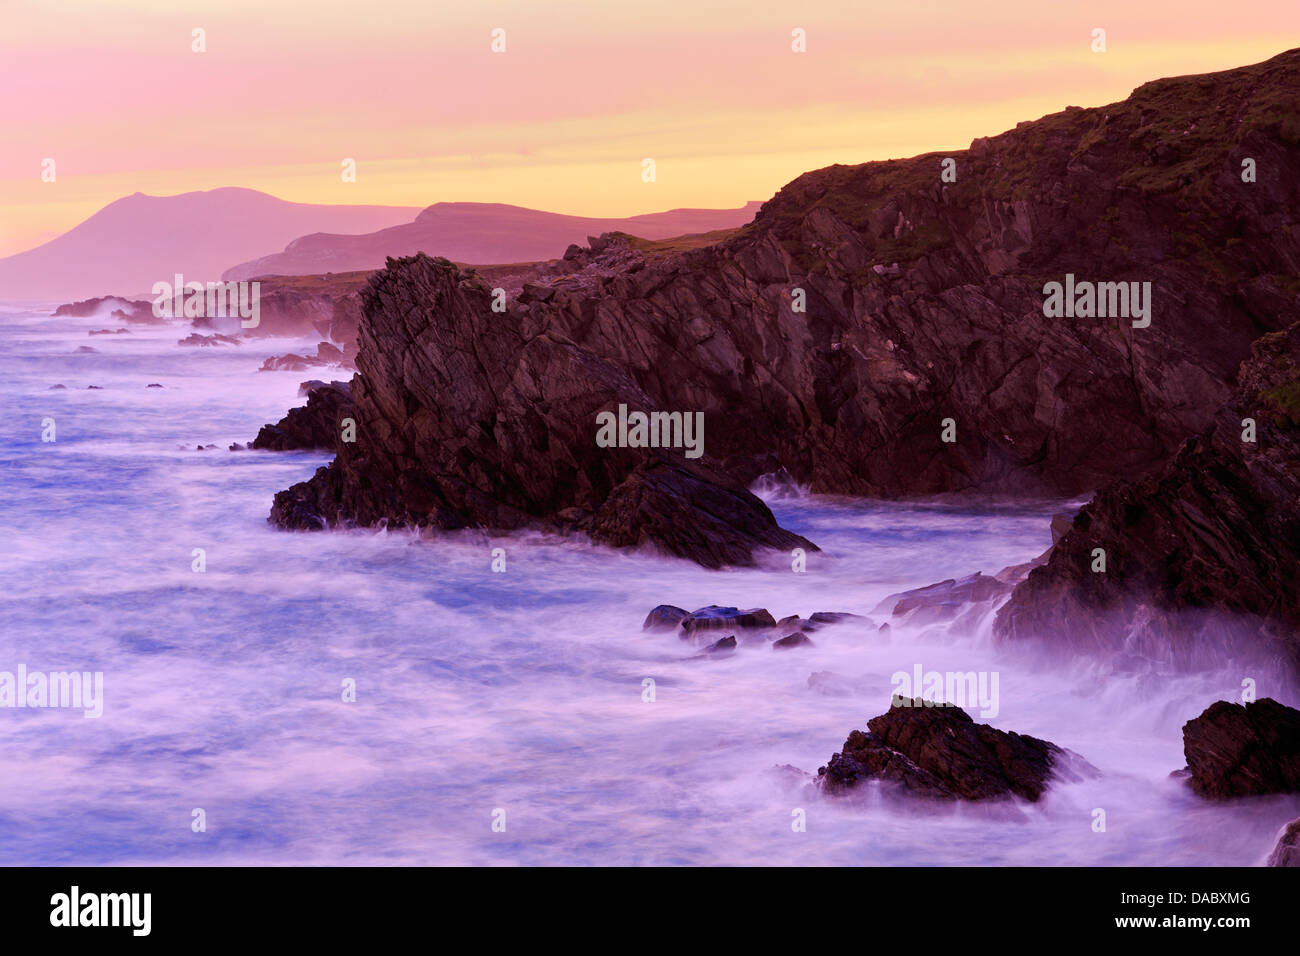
(471,414)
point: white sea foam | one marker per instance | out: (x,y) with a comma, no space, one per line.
(477,690)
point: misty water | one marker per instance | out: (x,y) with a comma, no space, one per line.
(478,691)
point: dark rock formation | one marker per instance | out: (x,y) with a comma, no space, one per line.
(727,643)
(939,752)
(487,424)
(1287,851)
(924,302)
(318,424)
(715,617)
(326,354)
(797,639)
(129,310)
(195,338)
(665,617)
(1236,750)
(1202,555)
(942,601)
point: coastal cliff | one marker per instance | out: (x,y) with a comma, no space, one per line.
(922,320)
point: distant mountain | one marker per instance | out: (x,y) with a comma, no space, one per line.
(484,233)
(136,241)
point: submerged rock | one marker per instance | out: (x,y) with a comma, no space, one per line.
(1234,750)
(837,617)
(939,752)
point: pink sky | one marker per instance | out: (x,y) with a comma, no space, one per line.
(111,90)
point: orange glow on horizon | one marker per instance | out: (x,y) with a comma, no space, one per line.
(561,121)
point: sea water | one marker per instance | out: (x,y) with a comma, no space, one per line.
(499,716)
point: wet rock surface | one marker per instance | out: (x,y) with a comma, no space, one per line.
(1236,750)
(752,626)
(938,752)
(1202,556)
(316,425)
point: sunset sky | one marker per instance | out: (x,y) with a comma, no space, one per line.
(111,90)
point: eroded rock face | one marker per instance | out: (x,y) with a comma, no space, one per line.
(1236,750)
(471,417)
(318,424)
(939,752)
(921,301)
(1202,555)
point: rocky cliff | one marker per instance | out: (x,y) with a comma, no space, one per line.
(1202,556)
(868,313)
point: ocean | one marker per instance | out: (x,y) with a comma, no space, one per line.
(516,698)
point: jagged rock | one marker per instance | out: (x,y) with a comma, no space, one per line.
(131,310)
(326,354)
(473,417)
(1287,851)
(942,601)
(665,617)
(939,752)
(725,644)
(714,617)
(1234,750)
(194,338)
(485,424)
(1201,555)
(318,424)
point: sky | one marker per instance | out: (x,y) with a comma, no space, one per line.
(285,90)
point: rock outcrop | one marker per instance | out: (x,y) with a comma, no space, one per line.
(1202,556)
(316,425)
(489,422)
(1236,750)
(866,312)
(130,310)
(1287,850)
(939,752)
